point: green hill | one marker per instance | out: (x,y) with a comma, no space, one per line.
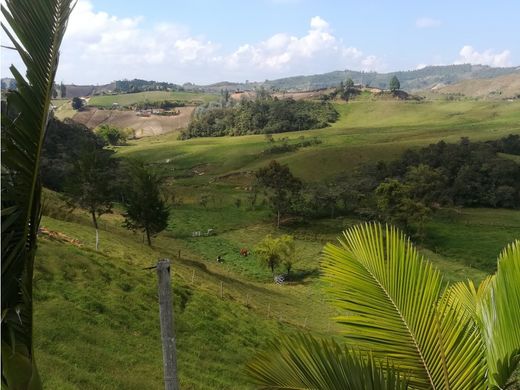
(412,80)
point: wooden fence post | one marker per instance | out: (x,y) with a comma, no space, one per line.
(167,325)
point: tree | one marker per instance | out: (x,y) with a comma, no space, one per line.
(77,103)
(349,83)
(397,205)
(274,252)
(404,322)
(112,135)
(91,183)
(281,187)
(394,84)
(62,141)
(144,208)
(63,90)
(25,115)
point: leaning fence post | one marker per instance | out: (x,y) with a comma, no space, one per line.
(167,325)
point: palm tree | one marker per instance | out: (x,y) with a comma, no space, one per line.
(36,29)
(399,314)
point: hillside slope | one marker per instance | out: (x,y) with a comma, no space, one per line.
(501,87)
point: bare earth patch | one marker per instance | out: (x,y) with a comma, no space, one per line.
(143,126)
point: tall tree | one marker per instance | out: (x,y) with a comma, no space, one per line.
(144,208)
(281,187)
(63,91)
(394,84)
(91,183)
(36,29)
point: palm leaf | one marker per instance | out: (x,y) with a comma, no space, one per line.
(493,306)
(36,29)
(500,317)
(394,307)
(303,362)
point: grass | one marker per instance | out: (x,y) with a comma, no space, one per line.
(366,131)
(473,237)
(126,99)
(96,312)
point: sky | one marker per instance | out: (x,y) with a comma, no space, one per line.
(203,41)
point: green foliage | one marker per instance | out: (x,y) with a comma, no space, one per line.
(394,84)
(112,135)
(144,208)
(137,85)
(304,362)
(91,184)
(274,252)
(467,174)
(398,314)
(281,187)
(63,141)
(263,115)
(36,30)
(77,103)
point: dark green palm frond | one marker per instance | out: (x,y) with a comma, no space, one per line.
(500,316)
(392,302)
(36,29)
(304,362)
(495,309)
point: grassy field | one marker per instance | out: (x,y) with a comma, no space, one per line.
(96,312)
(126,99)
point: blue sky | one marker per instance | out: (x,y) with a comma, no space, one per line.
(207,41)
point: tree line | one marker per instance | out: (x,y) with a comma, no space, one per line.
(405,191)
(264,115)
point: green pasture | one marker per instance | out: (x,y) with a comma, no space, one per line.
(126,99)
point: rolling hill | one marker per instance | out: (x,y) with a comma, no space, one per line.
(501,87)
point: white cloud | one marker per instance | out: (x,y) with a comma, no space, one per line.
(488,57)
(99,47)
(427,23)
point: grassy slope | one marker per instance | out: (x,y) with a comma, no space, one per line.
(367,130)
(96,313)
(132,98)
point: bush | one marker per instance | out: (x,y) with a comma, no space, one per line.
(112,135)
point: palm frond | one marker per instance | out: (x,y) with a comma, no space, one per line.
(500,316)
(392,302)
(304,362)
(36,29)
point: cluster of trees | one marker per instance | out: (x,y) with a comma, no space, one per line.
(259,116)
(472,174)
(406,191)
(76,163)
(284,145)
(164,104)
(137,85)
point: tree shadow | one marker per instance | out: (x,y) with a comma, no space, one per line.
(302,276)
